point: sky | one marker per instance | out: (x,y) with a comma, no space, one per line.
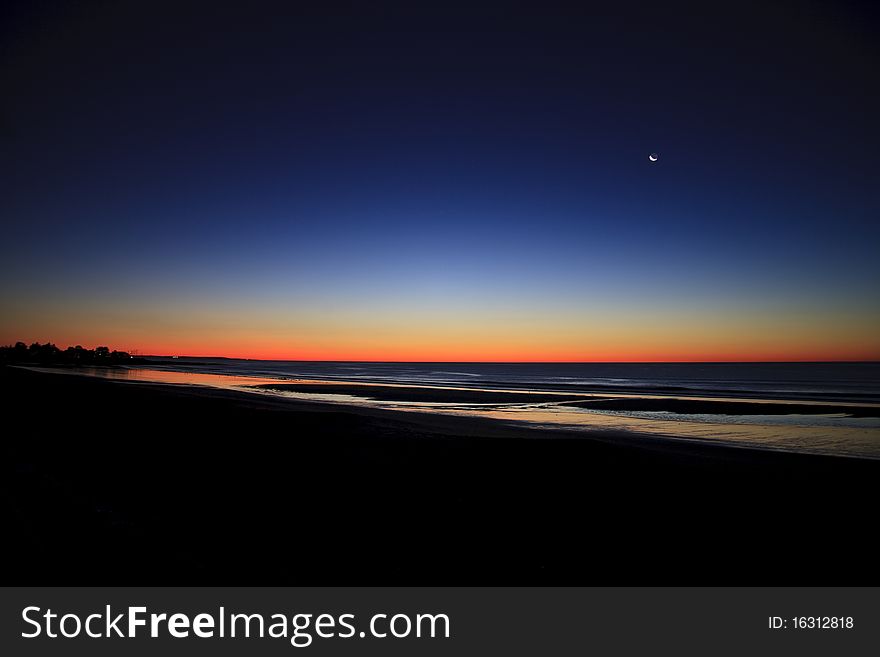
(443,182)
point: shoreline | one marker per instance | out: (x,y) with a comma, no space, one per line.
(476,407)
(193,485)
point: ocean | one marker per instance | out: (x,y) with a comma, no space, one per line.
(850,382)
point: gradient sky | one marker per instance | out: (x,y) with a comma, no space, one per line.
(454,182)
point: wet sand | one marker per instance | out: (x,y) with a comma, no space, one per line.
(137,483)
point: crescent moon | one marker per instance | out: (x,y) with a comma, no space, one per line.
(653,157)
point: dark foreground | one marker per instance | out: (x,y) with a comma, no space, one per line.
(119,483)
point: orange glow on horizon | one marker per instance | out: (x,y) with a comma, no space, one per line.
(398,334)
(476,353)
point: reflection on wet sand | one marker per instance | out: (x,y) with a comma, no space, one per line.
(143,375)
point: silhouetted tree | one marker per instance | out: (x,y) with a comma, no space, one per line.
(49,354)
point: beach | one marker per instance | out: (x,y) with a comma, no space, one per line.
(145,483)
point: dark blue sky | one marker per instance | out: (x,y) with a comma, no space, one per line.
(253,156)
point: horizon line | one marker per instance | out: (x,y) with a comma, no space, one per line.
(502,362)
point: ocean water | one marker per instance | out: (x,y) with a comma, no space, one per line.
(843,382)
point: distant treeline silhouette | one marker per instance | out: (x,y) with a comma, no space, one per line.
(49,354)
